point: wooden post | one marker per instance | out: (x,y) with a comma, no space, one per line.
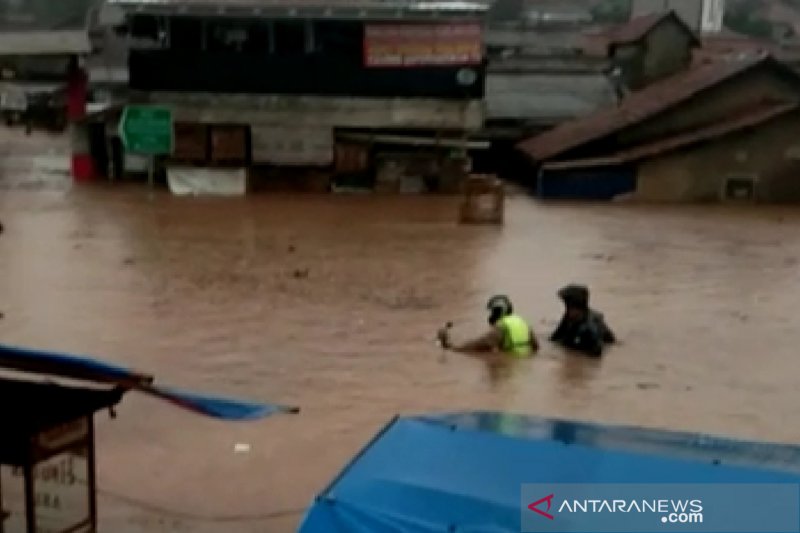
(91,460)
(151,170)
(3,513)
(30,497)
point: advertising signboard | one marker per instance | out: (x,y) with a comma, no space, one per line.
(415,45)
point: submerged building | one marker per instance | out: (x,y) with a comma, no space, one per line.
(724,130)
(380,95)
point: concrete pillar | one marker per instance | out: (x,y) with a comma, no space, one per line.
(77,87)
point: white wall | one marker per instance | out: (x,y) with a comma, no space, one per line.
(713,14)
(313,111)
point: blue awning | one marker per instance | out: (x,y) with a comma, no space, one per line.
(96,371)
(464,472)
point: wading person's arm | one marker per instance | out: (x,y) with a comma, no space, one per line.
(491,341)
(608,335)
(561,330)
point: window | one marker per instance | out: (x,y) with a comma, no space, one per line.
(740,188)
(185,33)
(250,38)
(146,31)
(145,27)
(340,38)
(225,37)
(290,37)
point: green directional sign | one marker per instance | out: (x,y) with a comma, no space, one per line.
(146,129)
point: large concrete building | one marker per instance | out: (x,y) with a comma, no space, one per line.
(336,89)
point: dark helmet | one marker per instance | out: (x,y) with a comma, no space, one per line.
(575,296)
(499,306)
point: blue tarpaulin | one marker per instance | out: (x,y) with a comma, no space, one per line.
(464,472)
(90,369)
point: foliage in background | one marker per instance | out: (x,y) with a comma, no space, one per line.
(611,11)
(744,16)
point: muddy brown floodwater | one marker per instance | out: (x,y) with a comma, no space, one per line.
(331,303)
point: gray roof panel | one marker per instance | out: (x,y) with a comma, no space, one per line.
(336,9)
(546,97)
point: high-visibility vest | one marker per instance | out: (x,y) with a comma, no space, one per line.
(516,335)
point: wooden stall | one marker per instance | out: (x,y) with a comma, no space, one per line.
(47,457)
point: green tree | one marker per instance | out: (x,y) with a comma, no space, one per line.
(612,11)
(742,21)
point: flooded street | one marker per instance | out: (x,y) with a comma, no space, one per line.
(331,303)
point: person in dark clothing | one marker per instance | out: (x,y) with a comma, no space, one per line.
(581,328)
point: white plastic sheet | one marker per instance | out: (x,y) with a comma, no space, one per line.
(203,181)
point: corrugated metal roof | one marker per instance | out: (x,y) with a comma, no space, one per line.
(637,107)
(636,28)
(753,117)
(322,8)
(550,63)
(430,4)
(533,38)
(38,27)
(44,15)
(546,97)
(44,42)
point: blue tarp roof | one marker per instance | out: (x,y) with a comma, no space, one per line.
(464,472)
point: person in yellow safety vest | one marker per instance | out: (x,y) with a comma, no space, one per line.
(509,333)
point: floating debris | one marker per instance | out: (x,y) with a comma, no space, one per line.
(241,447)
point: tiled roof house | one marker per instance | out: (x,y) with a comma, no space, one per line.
(703,105)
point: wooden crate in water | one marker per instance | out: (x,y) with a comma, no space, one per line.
(484,200)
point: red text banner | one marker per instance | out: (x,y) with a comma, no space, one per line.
(387,45)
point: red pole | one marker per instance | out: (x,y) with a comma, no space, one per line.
(77,87)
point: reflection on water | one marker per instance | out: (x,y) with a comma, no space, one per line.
(576,372)
(332,303)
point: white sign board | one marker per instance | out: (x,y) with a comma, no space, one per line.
(61,492)
(292,145)
(134,163)
(713,15)
(13,98)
